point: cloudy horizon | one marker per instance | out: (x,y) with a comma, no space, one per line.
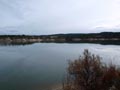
(63,16)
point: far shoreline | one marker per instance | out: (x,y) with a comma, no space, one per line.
(96,38)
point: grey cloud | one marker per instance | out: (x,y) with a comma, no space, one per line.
(57,16)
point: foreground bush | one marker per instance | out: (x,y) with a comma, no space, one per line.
(89,73)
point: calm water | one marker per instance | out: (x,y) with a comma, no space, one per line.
(41,66)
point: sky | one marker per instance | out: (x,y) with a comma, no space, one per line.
(59,16)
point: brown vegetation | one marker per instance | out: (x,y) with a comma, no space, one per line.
(89,73)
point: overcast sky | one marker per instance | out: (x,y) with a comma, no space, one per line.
(58,16)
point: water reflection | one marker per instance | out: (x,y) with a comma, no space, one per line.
(69,42)
(13,44)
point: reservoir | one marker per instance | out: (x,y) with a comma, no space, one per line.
(42,66)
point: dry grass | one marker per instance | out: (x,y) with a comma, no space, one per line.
(88,73)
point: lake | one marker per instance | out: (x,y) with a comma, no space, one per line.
(42,66)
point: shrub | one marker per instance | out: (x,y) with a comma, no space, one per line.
(89,73)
